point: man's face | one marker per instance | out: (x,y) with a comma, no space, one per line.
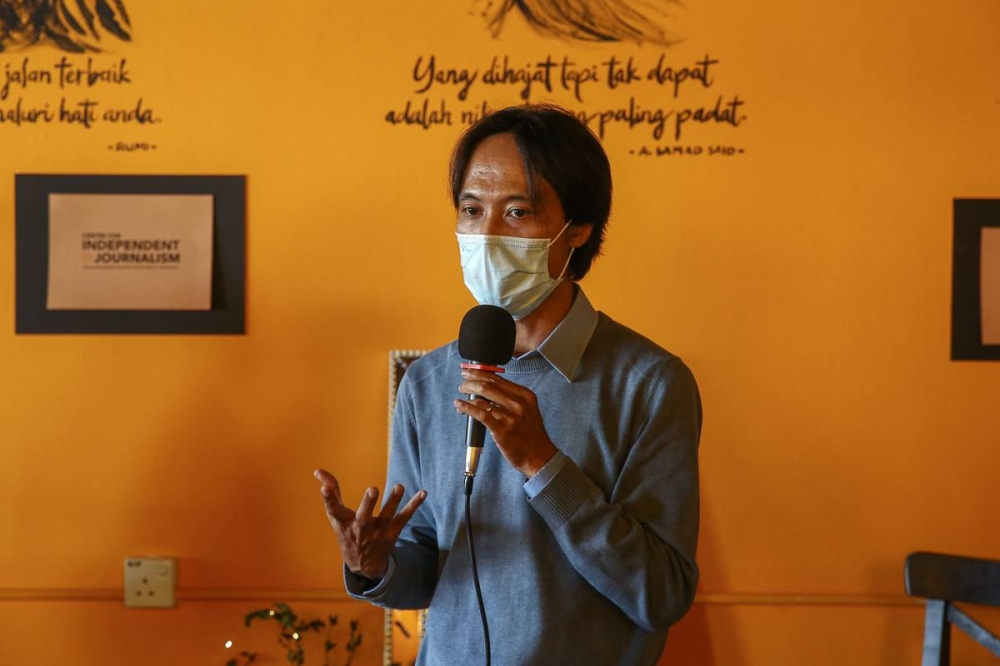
(494,201)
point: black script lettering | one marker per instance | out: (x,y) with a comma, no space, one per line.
(728,114)
(18,114)
(475,115)
(90,77)
(618,76)
(429,75)
(576,77)
(504,74)
(134,115)
(22,76)
(726,151)
(632,116)
(678,150)
(664,74)
(84,115)
(123,147)
(422,116)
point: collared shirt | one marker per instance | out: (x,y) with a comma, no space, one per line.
(563,349)
(564,346)
(593,558)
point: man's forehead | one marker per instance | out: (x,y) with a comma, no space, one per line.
(498,157)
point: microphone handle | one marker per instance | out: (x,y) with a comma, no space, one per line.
(475,436)
(475,432)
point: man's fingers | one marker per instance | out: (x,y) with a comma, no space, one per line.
(485,391)
(392,501)
(330,490)
(336,510)
(367,505)
(411,507)
(340,513)
(329,487)
(481,411)
(509,397)
(480,382)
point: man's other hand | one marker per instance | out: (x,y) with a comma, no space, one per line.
(366,540)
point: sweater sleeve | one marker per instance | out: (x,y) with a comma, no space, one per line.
(637,546)
(412,577)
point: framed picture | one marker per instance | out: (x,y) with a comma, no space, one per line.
(130,254)
(975,303)
(404,629)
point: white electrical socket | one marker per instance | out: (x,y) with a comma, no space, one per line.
(150,582)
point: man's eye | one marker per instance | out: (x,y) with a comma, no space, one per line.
(470,211)
(518,213)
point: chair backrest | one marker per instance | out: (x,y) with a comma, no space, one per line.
(944,579)
(953,578)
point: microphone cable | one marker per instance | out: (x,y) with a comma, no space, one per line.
(475,570)
(486,340)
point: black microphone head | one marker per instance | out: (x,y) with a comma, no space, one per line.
(487,335)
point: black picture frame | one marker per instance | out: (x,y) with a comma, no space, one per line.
(228,312)
(971,216)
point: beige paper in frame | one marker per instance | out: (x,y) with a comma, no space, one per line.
(130,252)
(989,285)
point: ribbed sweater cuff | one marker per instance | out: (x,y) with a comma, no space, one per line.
(361,587)
(566,492)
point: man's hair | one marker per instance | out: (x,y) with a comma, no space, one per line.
(560,149)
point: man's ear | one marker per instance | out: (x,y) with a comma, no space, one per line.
(579,234)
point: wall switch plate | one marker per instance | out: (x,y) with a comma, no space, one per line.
(150,582)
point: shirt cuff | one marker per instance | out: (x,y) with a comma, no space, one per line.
(537,483)
(360,586)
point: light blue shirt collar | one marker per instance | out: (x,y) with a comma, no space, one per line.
(564,346)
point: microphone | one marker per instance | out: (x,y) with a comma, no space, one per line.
(486,340)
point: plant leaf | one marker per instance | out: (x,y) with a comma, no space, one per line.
(108,19)
(63,42)
(260,614)
(70,19)
(124,14)
(88,16)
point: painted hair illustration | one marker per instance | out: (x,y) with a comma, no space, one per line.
(585,20)
(76,26)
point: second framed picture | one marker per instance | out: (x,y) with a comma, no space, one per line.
(130,254)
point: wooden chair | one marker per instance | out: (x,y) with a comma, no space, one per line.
(943,580)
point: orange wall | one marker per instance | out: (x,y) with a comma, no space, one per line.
(806,281)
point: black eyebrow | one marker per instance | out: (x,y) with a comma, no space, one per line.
(464,196)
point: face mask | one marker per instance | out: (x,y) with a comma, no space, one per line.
(507,271)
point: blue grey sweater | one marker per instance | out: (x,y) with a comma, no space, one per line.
(592,564)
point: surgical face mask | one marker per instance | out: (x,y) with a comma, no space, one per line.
(508,271)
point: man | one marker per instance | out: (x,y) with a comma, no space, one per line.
(586,511)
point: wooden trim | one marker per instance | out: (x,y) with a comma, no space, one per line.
(60,594)
(708,599)
(764,599)
(117,594)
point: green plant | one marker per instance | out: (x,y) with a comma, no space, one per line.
(291,630)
